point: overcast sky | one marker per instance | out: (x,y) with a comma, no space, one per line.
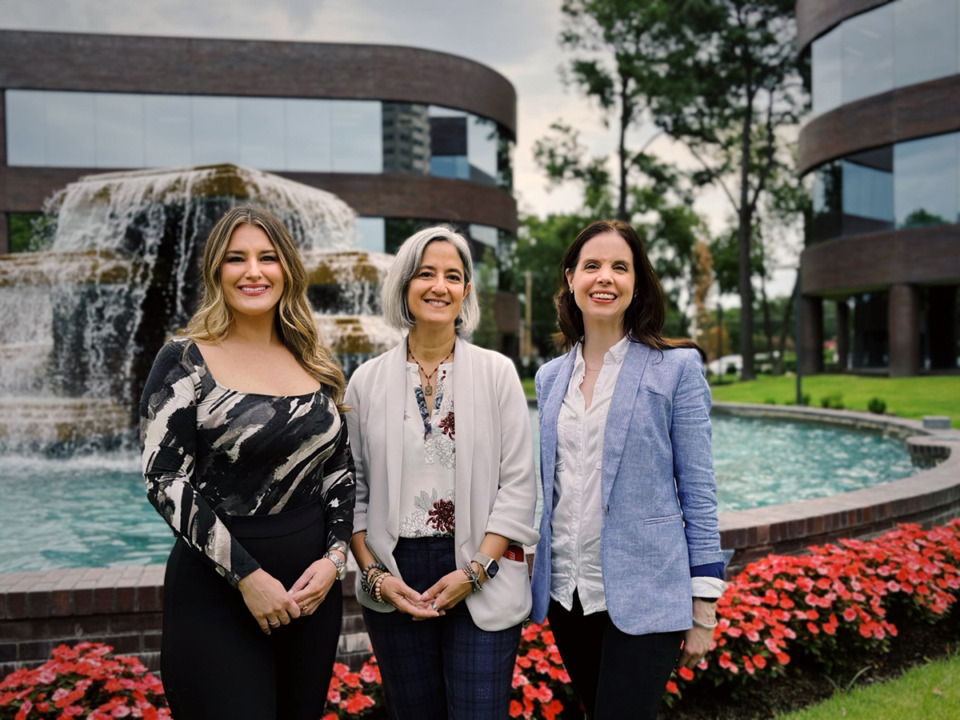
(518,38)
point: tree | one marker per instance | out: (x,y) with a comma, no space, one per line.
(617,63)
(731,84)
(657,204)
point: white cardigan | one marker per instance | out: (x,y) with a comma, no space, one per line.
(496,486)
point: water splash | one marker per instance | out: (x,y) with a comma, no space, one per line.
(121,277)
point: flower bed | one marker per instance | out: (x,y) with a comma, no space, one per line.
(86,681)
(830,611)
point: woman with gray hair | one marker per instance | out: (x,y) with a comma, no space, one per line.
(446,493)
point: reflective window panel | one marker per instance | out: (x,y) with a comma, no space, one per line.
(827,71)
(371,234)
(925,40)
(925,181)
(868,54)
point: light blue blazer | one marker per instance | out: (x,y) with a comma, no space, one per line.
(657,487)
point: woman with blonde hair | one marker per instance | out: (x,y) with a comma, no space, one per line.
(245,455)
(446,493)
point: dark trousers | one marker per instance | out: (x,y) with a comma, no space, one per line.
(445,667)
(216,663)
(617,676)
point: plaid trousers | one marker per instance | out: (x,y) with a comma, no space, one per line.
(445,668)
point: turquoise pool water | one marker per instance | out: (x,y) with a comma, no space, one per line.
(92,512)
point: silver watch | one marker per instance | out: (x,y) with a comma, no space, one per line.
(341,565)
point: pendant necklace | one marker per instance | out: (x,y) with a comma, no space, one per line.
(428,388)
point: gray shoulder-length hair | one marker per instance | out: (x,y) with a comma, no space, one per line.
(394,291)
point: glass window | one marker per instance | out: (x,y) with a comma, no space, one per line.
(484,234)
(482,149)
(357,136)
(215,122)
(371,234)
(308,135)
(167,140)
(827,71)
(870,330)
(925,181)
(925,40)
(868,54)
(71,130)
(261,133)
(120,127)
(828,201)
(868,191)
(26,127)
(450,166)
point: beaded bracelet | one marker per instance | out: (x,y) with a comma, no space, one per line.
(378,587)
(364,581)
(367,581)
(472,578)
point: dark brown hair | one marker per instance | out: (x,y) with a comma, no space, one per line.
(644,317)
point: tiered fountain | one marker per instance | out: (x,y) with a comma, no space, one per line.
(84,320)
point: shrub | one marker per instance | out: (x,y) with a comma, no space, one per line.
(85,681)
(832,402)
(877,406)
(805,399)
(769,401)
(830,607)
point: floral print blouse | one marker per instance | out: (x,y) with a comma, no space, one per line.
(429,458)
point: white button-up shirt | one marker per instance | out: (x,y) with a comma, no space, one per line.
(577,500)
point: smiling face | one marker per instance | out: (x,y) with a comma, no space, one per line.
(603,280)
(436,289)
(251,273)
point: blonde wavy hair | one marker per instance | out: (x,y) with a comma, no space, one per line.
(212,321)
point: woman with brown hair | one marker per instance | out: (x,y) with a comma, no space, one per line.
(245,455)
(629,566)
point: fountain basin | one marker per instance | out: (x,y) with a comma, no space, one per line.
(122,605)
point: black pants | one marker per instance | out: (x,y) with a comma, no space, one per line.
(216,663)
(617,676)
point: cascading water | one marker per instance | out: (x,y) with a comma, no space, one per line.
(85,319)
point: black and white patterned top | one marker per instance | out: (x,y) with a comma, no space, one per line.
(209,451)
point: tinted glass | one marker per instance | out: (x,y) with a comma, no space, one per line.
(482,149)
(868,191)
(371,234)
(868,54)
(357,139)
(261,133)
(120,130)
(26,127)
(215,122)
(71,130)
(827,71)
(925,40)
(925,181)
(308,135)
(167,136)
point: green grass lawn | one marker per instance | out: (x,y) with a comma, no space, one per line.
(927,692)
(906,397)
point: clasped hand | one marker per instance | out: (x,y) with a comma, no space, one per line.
(441,596)
(272,605)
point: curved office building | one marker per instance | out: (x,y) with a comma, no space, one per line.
(405,136)
(883,148)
